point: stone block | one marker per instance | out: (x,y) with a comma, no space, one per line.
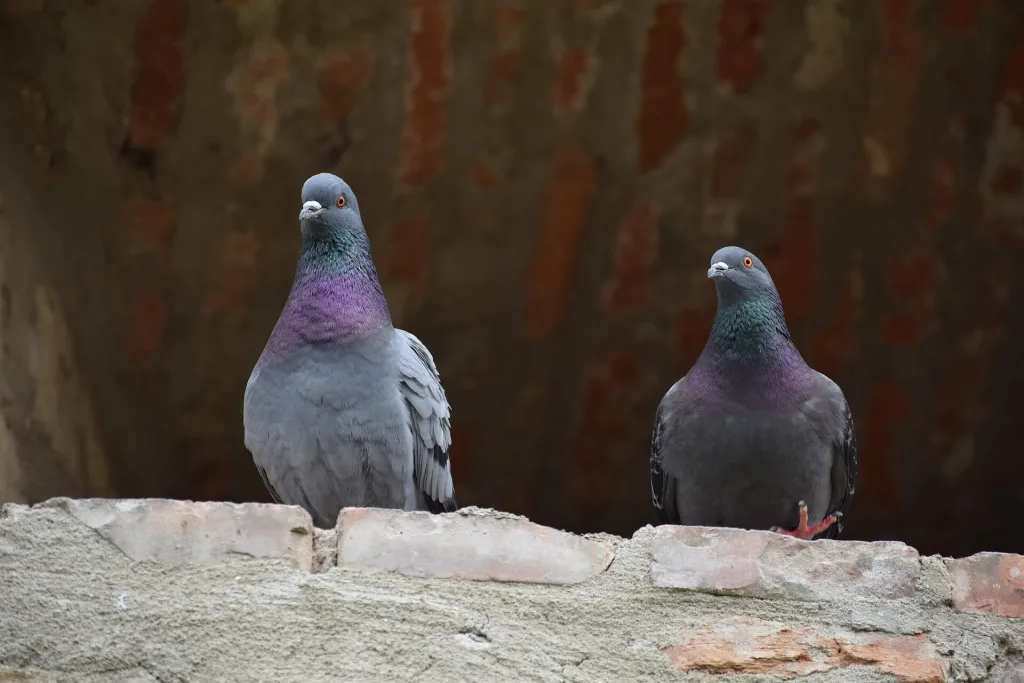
(188,533)
(989,583)
(766,648)
(762,564)
(1012,674)
(482,546)
(30,675)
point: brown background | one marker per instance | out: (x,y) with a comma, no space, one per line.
(543,184)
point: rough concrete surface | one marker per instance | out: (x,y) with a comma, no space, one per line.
(75,607)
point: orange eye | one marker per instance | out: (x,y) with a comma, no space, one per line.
(341,201)
(747,262)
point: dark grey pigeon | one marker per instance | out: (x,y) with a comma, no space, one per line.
(752,437)
(342,409)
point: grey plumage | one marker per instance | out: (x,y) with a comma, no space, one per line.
(751,431)
(343,409)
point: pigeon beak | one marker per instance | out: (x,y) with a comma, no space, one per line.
(310,209)
(717,270)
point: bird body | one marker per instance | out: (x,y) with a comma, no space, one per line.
(751,432)
(342,409)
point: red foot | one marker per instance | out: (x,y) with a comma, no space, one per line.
(808,532)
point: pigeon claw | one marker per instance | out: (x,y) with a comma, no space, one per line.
(805,532)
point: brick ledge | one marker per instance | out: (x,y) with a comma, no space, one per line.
(487,545)
(167,583)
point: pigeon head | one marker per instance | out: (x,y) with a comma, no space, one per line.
(739,276)
(329,208)
(750,326)
(336,295)
(333,237)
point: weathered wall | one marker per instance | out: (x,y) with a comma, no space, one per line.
(49,439)
(151,590)
(543,184)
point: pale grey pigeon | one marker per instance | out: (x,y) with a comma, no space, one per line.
(342,409)
(752,437)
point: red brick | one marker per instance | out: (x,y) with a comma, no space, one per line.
(905,329)
(566,204)
(913,278)
(508,21)
(823,64)
(16,7)
(794,265)
(967,365)
(247,170)
(740,27)
(430,65)
(147,323)
(834,346)
(484,207)
(504,71)
(721,200)
(1012,95)
(1001,185)
(961,16)
(663,119)
(342,73)
(888,411)
(914,273)
(895,73)
(485,177)
(636,251)
(1007,181)
(176,532)
(38,125)
(942,190)
(159,73)
(213,468)
(469,544)
(152,225)
(744,645)
(693,324)
(410,256)
(767,565)
(989,583)
(233,273)
(960,385)
(606,434)
(253,85)
(729,160)
(570,79)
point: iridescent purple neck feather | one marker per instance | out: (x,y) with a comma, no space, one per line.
(336,297)
(750,357)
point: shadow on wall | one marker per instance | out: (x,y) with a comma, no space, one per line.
(542,186)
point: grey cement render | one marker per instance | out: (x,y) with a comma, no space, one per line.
(75,607)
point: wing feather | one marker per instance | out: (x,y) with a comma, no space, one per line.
(430,421)
(844,463)
(664,484)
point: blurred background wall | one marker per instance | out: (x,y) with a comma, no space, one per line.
(543,184)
